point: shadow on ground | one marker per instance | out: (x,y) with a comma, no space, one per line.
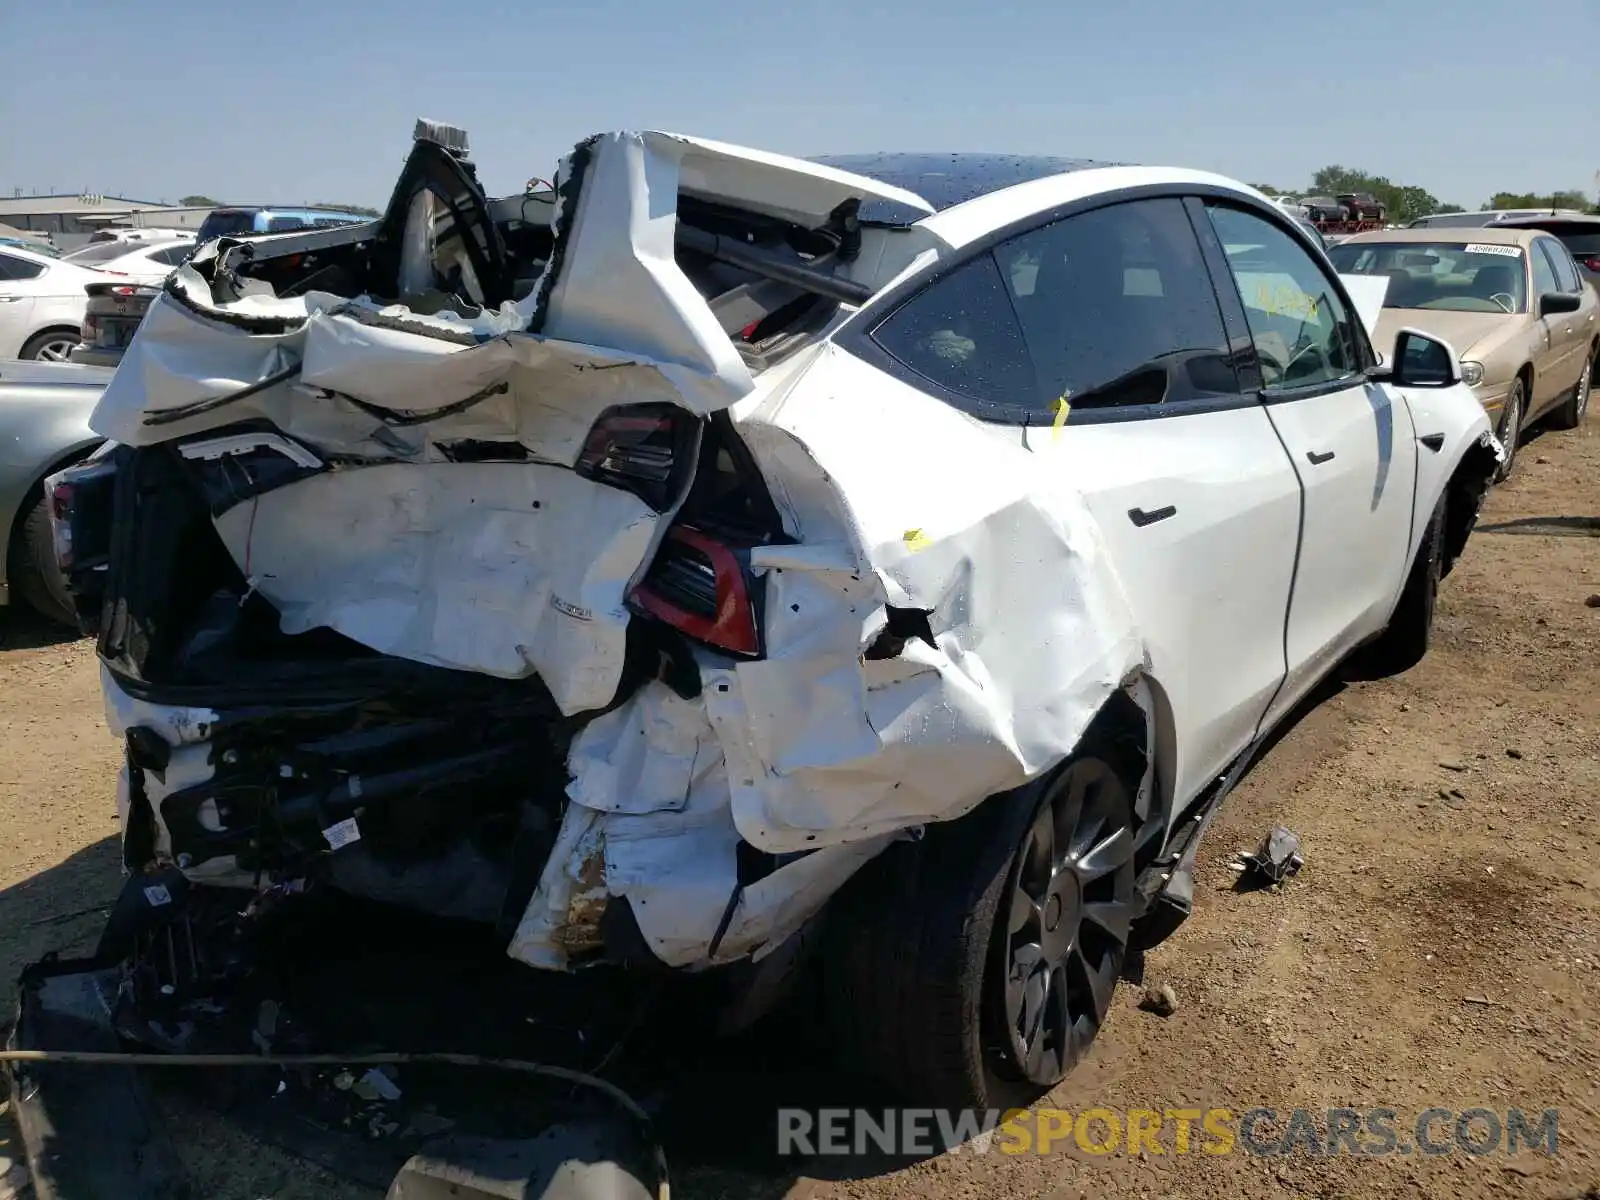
(23,629)
(61,908)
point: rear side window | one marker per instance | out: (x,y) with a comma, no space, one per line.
(222,222)
(1104,309)
(17,269)
(100,252)
(1544,273)
(1566,270)
(172,256)
(284,224)
(962,334)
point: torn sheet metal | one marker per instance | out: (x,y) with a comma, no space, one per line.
(510,569)
(1031,631)
(652,822)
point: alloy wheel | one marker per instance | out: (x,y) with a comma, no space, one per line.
(1068,915)
(1585,386)
(56,350)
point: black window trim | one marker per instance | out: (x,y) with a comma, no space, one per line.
(855,336)
(1548,240)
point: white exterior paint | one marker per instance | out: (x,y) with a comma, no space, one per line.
(1043,598)
(55,298)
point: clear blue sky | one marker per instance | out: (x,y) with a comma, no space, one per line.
(282,100)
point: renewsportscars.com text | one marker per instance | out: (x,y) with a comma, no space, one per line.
(838,1132)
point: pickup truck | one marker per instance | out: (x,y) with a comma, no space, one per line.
(44,426)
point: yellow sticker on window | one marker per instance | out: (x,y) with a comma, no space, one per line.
(1063,407)
(915,539)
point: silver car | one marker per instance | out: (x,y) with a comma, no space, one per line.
(44,426)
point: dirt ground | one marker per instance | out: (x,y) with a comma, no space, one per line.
(1440,948)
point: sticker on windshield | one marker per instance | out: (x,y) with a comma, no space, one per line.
(1485,248)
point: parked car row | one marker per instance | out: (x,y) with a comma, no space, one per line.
(1326,210)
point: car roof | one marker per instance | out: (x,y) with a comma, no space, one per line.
(963,223)
(1492,235)
(35,257)
(1546,220)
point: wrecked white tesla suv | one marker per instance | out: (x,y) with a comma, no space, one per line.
(721,547)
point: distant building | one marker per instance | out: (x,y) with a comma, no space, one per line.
(69,220)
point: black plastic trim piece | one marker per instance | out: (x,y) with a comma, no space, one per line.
(1140,517)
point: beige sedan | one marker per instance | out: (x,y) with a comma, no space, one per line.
(1511,301)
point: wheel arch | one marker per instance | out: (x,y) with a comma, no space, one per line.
(53,327)
(11,526)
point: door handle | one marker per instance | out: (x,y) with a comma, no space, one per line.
(1318,458)
(1141,518)
(1433,441)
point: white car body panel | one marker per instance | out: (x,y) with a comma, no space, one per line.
(1042,599)
(1355,453)
(1203,583)
(54,298)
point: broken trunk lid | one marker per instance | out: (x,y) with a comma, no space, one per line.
(611,294)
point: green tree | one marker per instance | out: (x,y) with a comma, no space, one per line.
(1570,199)
(1267,189)
(199,202)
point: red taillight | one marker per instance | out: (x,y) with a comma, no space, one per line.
(639,449)
(61,525)
(699,586)
(123,289)
(1592,263)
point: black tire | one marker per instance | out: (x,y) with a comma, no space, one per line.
(1570,415)
(1404,641)
(53,345)
(33,571)
(1510,431)
(920,948)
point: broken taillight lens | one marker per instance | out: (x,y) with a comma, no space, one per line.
(643,448)
(80,502)
(701,587)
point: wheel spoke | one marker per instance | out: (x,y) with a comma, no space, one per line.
(1068,805)
(1031,1016)
(1055,1033)
(1026,912)
(1105,856)
(1039,862)
(1112,916)
(1097,984)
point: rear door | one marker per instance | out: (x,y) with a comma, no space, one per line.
(1132,390)
(1350,440)
(19,281)
(1570,333)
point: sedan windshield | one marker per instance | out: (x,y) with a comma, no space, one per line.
(1460,277)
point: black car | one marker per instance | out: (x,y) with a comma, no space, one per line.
(1580,235)
(1325,208)
(1362,206)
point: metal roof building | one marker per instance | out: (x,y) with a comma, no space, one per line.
(69,220)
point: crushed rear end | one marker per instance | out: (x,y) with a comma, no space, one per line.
(540,562)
